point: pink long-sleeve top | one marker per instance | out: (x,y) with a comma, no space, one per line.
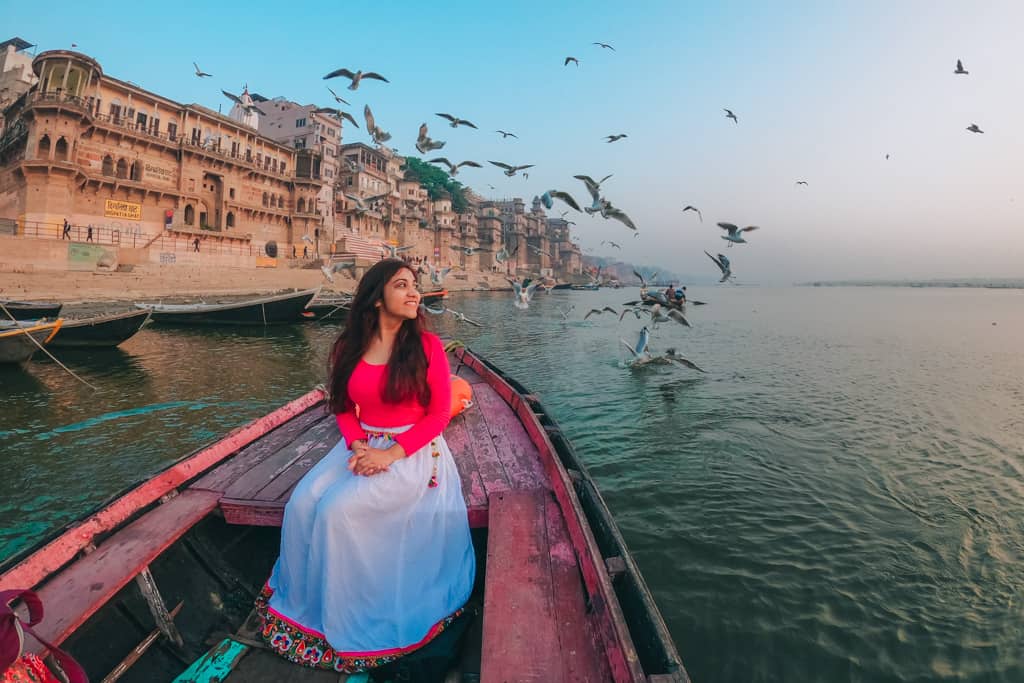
(366,389)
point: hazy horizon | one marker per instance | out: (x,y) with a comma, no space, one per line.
(822,95)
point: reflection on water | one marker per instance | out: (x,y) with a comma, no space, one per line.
(839,498)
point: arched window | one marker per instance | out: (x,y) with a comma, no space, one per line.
(122,168)
(61,149)
(190,215)
(230,220)
(44,147)
(136,170)
(108,165)
(302,206)
(266,199)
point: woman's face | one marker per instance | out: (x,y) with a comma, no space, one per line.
(401,298)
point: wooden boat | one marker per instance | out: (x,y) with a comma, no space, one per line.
(327,309)
(30,310)
(563,285)
(586,288)
(172,566)
(17,346)
(436,295)
(101,331)
(271,310)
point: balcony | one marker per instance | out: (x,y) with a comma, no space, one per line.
(59,100)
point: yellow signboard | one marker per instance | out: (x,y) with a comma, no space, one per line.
(266,262)
(113,208)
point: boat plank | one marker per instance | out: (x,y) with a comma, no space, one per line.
(74,594)
(467,373)
(281,486)
(519,454)
(488,460)
(215,665)
(221,478)
(582,656)
(259,475)
(473,492)
(520,632)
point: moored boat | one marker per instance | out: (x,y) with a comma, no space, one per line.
(159,574)
(20,344)
(271,310)
(30,310)
(586,288)
(335,308)
(101,331)
(435,295)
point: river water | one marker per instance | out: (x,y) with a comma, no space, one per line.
(839,498)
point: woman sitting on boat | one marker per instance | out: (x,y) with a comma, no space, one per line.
(376,556)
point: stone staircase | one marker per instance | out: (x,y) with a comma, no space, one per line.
(350,244)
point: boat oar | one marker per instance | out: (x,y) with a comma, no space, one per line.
(36,342)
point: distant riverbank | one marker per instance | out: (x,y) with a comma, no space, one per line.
(1009,283)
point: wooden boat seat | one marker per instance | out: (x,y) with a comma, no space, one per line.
(534,604)
(74,594)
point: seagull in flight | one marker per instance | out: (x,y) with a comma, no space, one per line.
(540,252)
(453,169)
(337,266)
(613,138)
(504,254)
(510,170)
(378,135)
(643,281)
(594,188)
(801,182)
(356,77)
(469,251)
(442,309)
(423,142)
(547,199)
(960,70)
(599,311)
(974,128)
(571,59)
(199,72)
(393,250)
(639,350)
(364,204)
(249,108)
(606,46)
(734,233)
(730,115)
(610,243)
(336,113)
(456,121)
(723,265)
(336,97)
(506,134)
(437,275)
(523,295)
(688,207)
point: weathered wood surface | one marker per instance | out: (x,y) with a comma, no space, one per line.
(73,595)
(55,554)
(517,452)
(520,640)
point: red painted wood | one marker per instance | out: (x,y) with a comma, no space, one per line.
(457,437)
(581,649)
(259,475)
(518,453)
(520,634)
(221,478)
(73,595)
(488,460)
(271,512)
(467,373)
(40,564)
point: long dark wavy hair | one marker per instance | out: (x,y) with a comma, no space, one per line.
(407,367)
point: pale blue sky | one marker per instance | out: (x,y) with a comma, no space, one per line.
(822,90)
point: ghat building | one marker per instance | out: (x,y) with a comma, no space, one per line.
(86,147)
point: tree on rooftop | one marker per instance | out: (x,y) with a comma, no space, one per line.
(436,182)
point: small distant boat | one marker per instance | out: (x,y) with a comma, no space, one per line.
(30,310)
(101,331)
(563,285)
(271,310)
(436,294)
(17,346)
(327,309)
(592,287)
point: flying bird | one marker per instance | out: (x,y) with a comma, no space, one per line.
(393,250)
(510,170)
(469,251)
(974,128)
(734,233)
(337,266)
(356,77)
(801,182)
(307,238)
(437,275)
(336,97)
(694,208)
(199,72)
(453,169)
(571,59)
(540,252)
(599,311)
(670,355)
(606,46)
(723,265)
(639,350)
(609,242)
(336,113)
(423,142)
(547,199)
(378,135)
(730,115)
(619,215)
(523,295)
(594,188)
(613,138)
(643,281)
(506,134)
(364,204)
(249,108)
(960,69)
(504,254)
(887,157)
(456,121)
